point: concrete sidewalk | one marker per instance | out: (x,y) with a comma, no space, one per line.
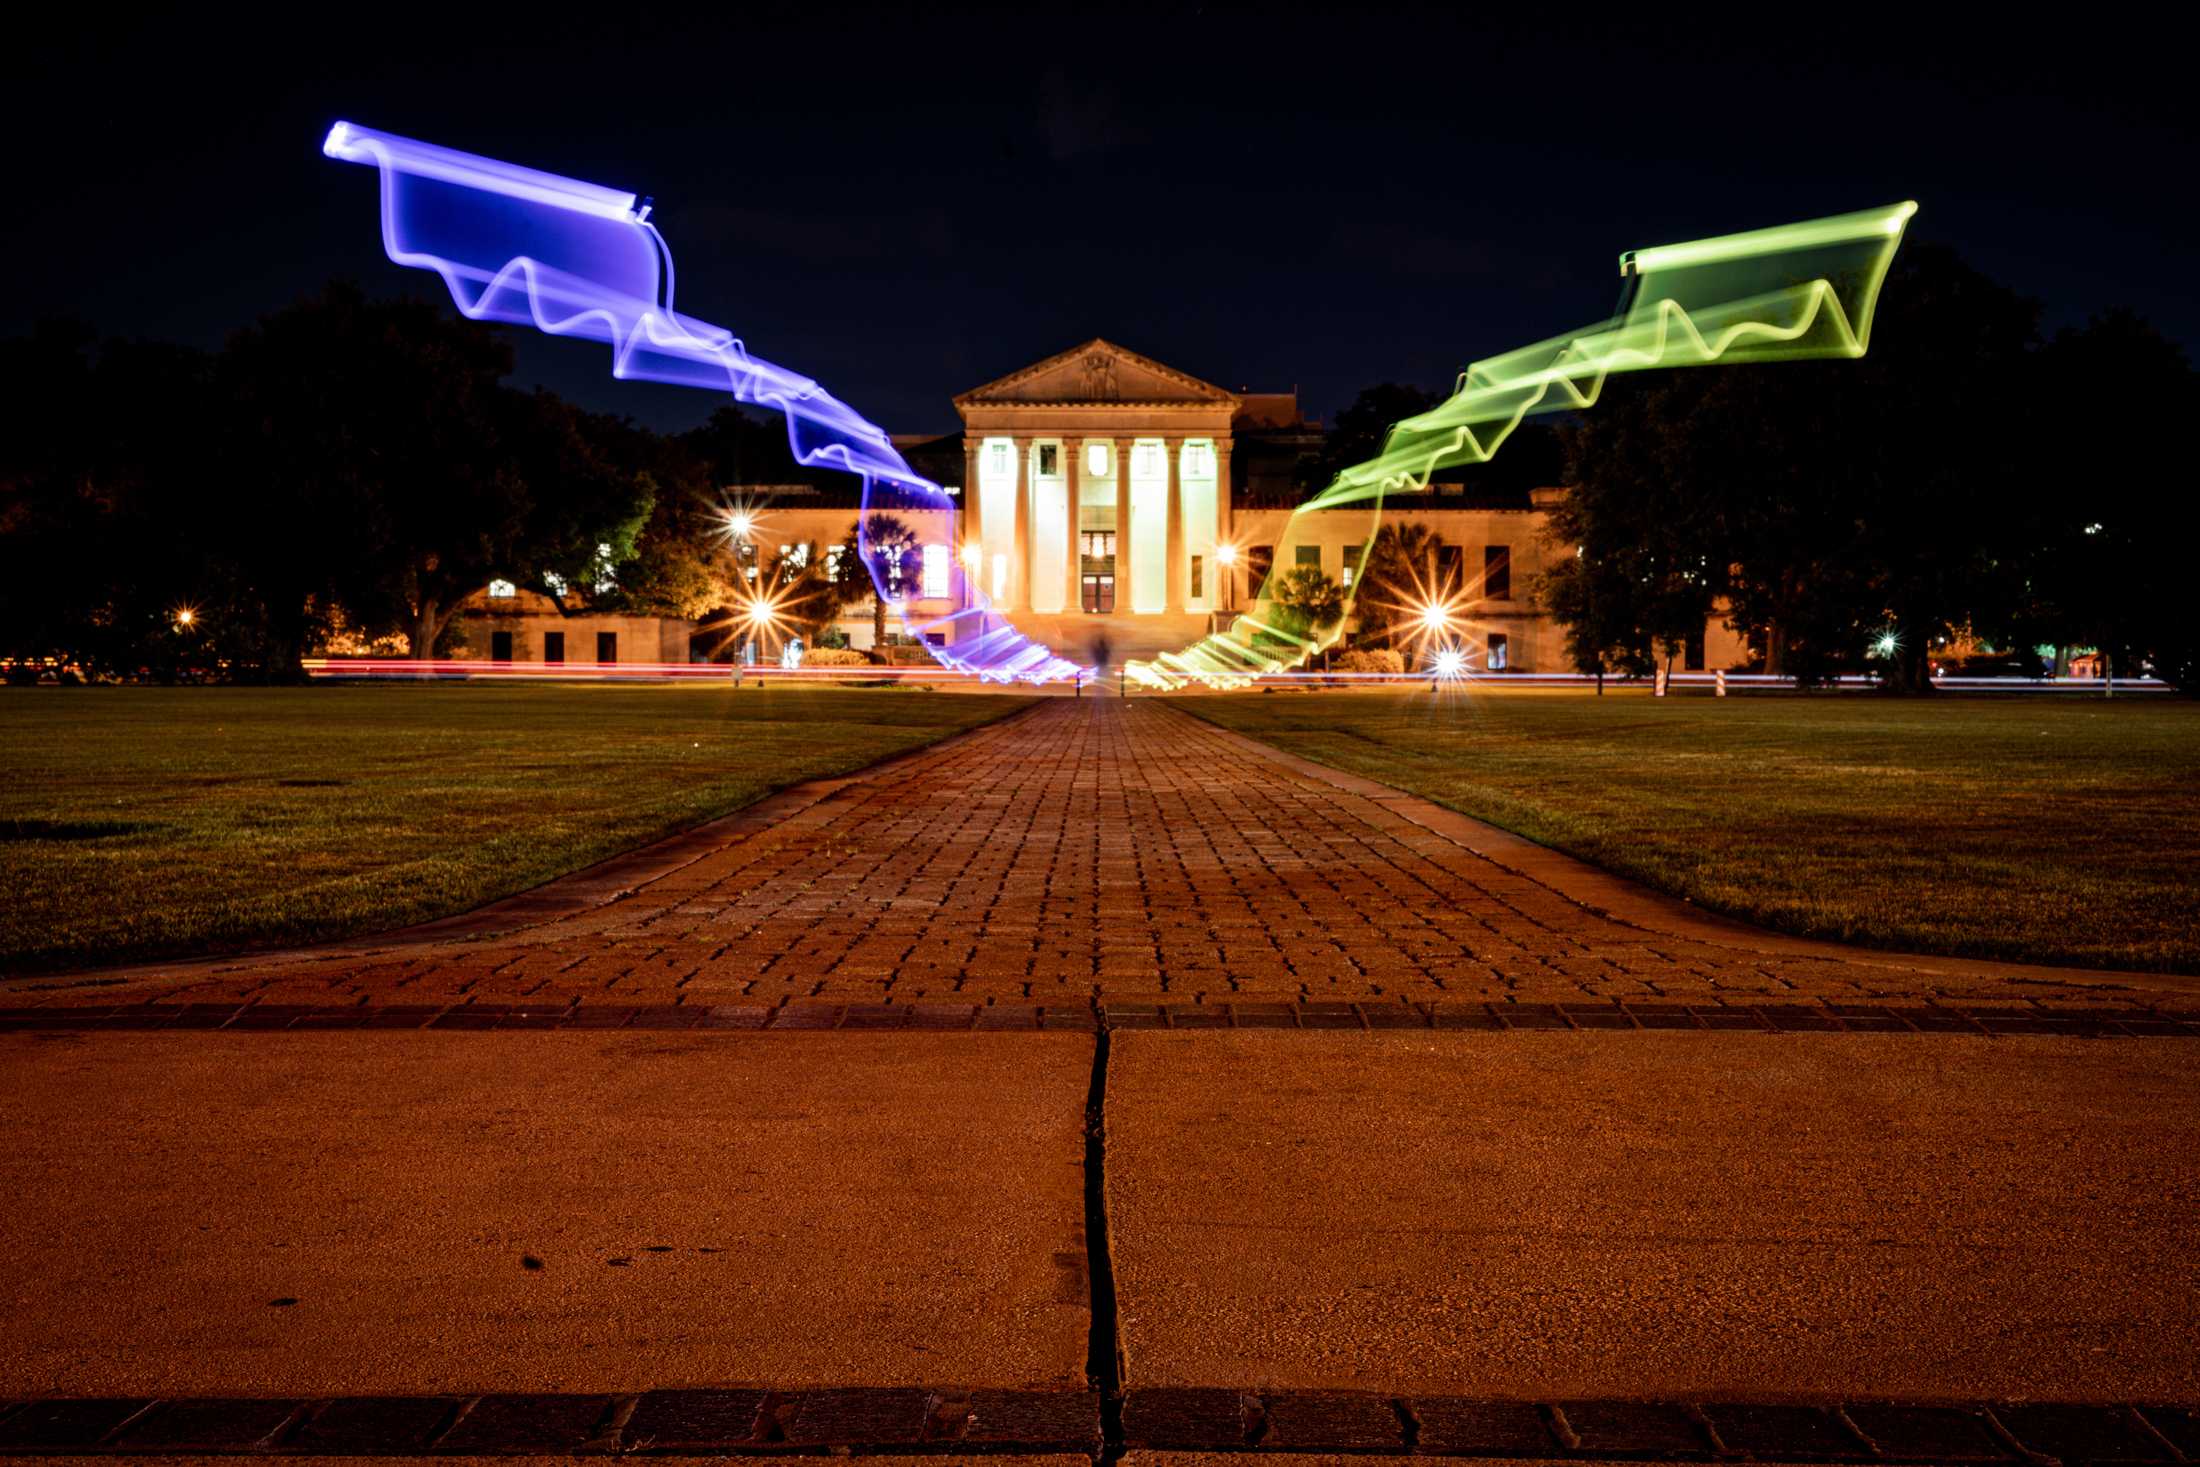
(1666,1216)
(207,1215)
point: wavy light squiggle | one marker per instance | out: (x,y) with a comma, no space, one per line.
(1794,292)
(571,258)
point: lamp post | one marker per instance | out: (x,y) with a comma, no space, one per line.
(1226,559)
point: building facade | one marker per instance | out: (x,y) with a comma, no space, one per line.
(1103,500)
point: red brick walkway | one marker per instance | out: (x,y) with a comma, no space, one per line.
(1128,851)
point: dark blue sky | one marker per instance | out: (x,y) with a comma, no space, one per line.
(904,207)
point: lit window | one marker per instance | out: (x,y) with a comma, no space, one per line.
(501,589)
(1003,461)
(935,571)
(1500,652)
(1050,460)
(1096,460)
(1199,575)
(798,556)
(1143,465)
(1199,461)
(832,563)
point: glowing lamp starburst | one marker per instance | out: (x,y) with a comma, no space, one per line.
(1450,664)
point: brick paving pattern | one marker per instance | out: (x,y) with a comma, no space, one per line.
(1106,851)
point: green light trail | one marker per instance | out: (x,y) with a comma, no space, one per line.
(1791,293)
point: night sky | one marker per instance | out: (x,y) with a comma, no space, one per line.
(907,206)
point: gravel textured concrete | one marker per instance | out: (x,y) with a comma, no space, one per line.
(199,1214)
(1631,1215)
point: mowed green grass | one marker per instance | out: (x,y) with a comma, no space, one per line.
(138,823)
(2047,829)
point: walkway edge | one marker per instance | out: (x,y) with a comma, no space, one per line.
(1630,903)
(609,880)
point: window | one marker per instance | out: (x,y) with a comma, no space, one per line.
(502,589)
(1199,575)
(1199,460)
(1050,460)
(1096,460)
(1692,656)
(1352,554)
(1259,560)
(1497,575)
(1500,652)
(553,646)
(798,556)
(500,646)
(1098,545)
(935,571)
(1004,462)
(607,646)
(1308,555)
(1450,559)
(1148,461)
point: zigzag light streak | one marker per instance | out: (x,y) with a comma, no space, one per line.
(1790,293)
(576,259)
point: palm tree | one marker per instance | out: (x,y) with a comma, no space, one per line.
(1400,577)
(889,548)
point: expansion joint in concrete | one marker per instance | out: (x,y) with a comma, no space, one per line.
(1104,1350)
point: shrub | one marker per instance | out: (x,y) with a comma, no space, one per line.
(834,657)
(1379,659)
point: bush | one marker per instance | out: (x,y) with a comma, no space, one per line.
(1378,659)
(834,657)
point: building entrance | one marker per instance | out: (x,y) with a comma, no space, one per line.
(1096,557)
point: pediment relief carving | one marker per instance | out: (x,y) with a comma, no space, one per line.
(1099,372)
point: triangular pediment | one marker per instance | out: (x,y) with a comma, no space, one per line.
(1096,374)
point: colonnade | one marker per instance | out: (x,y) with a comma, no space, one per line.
(1016,594)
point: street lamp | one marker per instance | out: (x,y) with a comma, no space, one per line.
(1226,557)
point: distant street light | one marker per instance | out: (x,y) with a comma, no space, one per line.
(186,617)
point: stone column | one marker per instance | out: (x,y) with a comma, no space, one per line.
(1073,585)
(1019,561)
(1179,569)
(1123,523)
(1225,576)
(971,531)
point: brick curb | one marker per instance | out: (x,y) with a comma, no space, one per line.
(1975,1021)
(916,1420)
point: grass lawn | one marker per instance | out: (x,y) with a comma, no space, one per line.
(148,822)
(2045,829)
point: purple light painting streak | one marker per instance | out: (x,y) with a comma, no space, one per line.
(575,259)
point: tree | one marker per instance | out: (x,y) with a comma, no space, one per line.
(389,423)
(1360,429)
(1399,578)
(888,549)
(1309,601)
(2103,561)
(1832,503)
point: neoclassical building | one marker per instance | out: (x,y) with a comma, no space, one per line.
(1100,495)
